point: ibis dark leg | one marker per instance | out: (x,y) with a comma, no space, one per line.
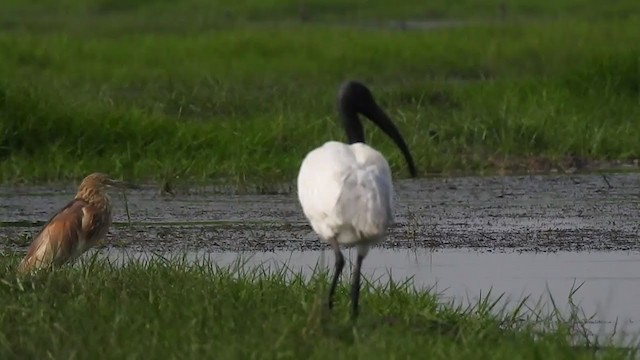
(355,286)
(337,271)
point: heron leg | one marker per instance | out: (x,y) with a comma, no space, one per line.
(337,271)
(355,281)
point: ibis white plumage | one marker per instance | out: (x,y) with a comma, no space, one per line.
(345,190)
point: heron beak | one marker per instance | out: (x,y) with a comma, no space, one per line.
(122,184)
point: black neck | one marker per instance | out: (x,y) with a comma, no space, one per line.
(352,126)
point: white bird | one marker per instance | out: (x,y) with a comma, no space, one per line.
(346,190)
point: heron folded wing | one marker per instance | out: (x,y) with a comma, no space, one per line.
(55,242)
(95,224)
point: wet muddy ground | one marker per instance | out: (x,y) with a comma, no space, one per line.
(523,213)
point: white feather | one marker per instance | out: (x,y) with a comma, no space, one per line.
(346,193)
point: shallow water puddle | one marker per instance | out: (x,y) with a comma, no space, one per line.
(609,281)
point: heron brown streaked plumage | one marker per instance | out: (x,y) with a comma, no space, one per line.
(75,228)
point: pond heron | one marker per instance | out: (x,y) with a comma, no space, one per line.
(75,228)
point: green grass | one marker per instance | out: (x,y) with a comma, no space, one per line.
(168,309)
(142,95)
(199,14)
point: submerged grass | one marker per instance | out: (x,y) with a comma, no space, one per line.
(165,308)
(244,101)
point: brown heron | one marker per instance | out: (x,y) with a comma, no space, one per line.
(75,228)
(346,190)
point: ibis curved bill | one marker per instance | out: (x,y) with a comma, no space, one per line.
(346,189)
(75,228)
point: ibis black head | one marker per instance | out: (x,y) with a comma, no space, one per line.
(353,98)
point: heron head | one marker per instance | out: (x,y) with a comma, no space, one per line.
(100,181)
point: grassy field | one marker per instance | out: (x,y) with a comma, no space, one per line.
(167,309)
(241,91)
